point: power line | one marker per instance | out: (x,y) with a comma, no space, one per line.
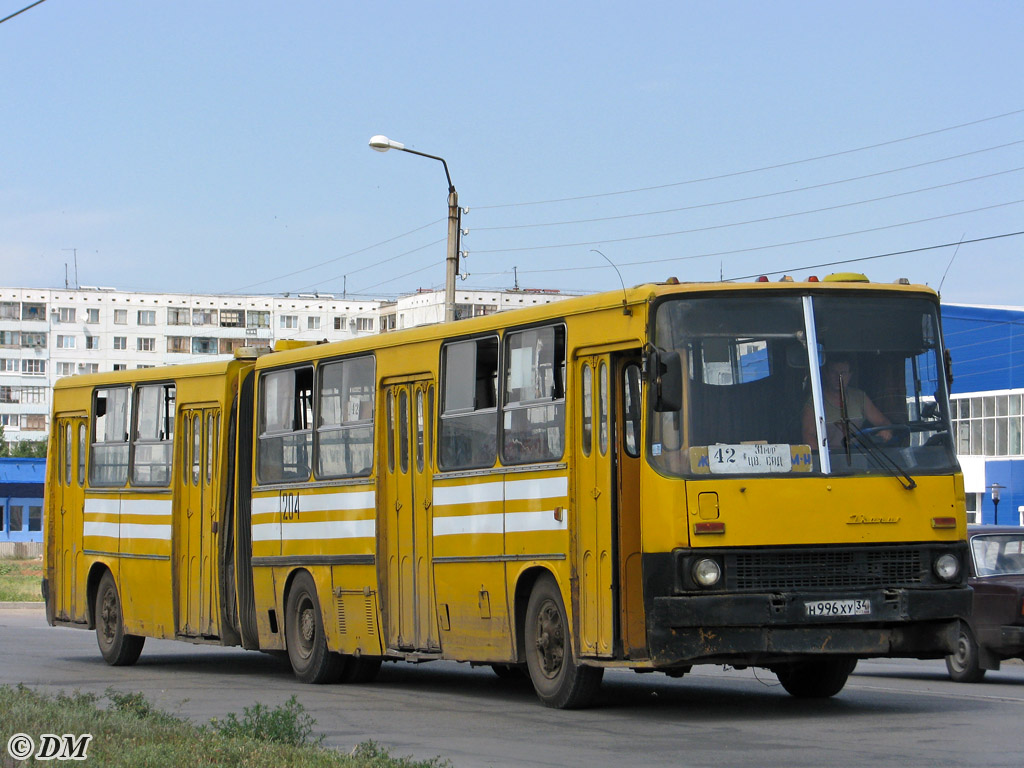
(755,170)
(374,265)
(339,258)
(880,256)
(26,8)
(752,197)
(740,223)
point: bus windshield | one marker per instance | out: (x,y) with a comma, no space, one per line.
(870,393)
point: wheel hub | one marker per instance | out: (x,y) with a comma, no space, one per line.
(550,640)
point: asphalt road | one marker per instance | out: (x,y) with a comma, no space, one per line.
(904,713)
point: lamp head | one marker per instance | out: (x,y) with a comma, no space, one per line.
(383,144)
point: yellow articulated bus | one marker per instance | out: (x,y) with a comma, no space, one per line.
(676,474)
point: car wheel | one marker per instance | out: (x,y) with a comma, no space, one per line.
(963,663)
(818,679)
(118,649)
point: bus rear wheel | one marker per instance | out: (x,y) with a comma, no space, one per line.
(304,631)
(819,679)
(118,649)
(559,681)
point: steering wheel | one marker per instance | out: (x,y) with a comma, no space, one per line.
(897,432)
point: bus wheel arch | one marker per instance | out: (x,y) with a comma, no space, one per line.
(92,587)
(305,634)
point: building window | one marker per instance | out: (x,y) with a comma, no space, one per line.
(17,515)
(313,323)
(204,346)
(10,394)
(178,316)
(8,421)
(228,346)
(988,425)
(33,311)
(33,340)
(120,317)
(88,367)
(120,367)
(469,404)
(289,321)
(10,339)
(35,517)
(120,342)
(33,367)
(65,369)
(65,342)
(10,310)
(181,344)
(10,365)
(364,323)
(339,323)
(147,317)
(232,318)
(92,342)
(66,315)
(92,315)
(34,422)
(145,344)
(204,317)
(34,395)
(257,319)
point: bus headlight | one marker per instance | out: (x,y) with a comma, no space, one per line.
(707,572)
(947,567)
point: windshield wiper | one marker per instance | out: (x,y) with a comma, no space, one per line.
(885,461)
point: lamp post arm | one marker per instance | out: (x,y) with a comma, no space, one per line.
(451,187)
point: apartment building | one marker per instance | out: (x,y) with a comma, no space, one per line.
(49,333)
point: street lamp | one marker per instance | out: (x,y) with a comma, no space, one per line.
(383,144)
(995,488)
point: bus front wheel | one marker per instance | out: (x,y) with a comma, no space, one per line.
(118,649)
(559,681)
(818,679)
(304,631)
(963,666)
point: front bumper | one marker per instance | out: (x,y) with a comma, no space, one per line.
(759,628)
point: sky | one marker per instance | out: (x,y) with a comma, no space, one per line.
(223,146)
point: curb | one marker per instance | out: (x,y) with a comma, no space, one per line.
(32,606)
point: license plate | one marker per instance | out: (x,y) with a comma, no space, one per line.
(838,607)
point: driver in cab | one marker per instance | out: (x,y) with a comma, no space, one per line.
(860,411)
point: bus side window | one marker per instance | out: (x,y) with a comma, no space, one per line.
(285,425)
(467,432)
(111,419)
(345,413)
(154,434)
(533,413)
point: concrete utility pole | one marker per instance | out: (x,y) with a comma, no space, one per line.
(383,144)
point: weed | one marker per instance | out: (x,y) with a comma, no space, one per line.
(287,724)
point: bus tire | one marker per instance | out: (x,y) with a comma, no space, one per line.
(304,632)
(361,669)
(818,679)
(118,648)
(963,665)
(559,681)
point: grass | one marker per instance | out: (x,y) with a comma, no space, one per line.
(127,731)
(20,580)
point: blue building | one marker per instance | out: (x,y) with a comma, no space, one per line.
(21,499)
(987,345)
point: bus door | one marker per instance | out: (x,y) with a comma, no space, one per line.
(406,549)
(67,524)
(196,523)
(608,517)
